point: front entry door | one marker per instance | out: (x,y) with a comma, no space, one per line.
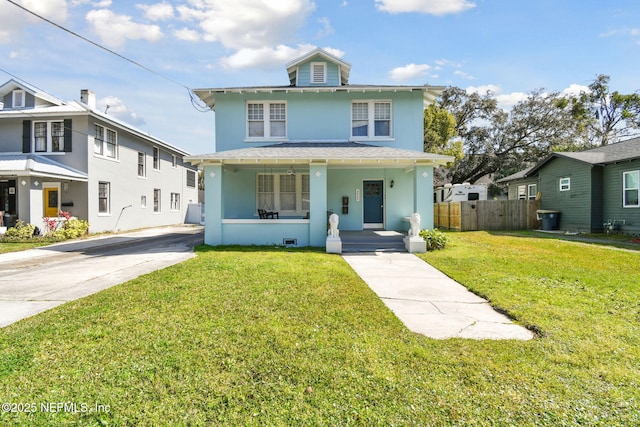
(373,204)
(51,202)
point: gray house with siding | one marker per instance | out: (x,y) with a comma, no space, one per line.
(67,156)
(594,190)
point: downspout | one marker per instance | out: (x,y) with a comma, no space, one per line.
(120,216)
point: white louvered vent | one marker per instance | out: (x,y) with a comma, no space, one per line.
(318,72)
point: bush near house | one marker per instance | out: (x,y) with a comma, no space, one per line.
(71,228)
(435,239)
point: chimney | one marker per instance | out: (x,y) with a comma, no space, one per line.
(88,97)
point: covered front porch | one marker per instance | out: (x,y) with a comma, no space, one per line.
(369,188)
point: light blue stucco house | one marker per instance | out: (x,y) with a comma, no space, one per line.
(316,146)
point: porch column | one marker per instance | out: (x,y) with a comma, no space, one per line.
(213,205)
(318,204)
(423,196)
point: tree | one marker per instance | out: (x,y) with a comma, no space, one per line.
(495,140)
(614,115)
(440,133)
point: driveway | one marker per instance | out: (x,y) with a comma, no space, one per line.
(38,279)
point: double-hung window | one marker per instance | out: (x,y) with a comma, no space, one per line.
(266,120)
(175,201)
(48,136)
(285,193)
(18,99)
(191,179)
(105,142)
(631,189)
(156,158)
(156,200)
(104,196)
(371,120)
(533,191)
(565,184)
(142,164)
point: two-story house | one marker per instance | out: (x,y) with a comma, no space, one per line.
(57,155)
(315,146)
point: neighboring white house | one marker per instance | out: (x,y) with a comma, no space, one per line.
(288,156)
(57,155)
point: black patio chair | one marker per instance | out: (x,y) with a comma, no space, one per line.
(263,214)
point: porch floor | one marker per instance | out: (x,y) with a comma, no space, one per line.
(372,241)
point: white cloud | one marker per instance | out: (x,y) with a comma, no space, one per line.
(409,72)
(265,57)
(13,20)
(114,30)
(327,29)
(157,12)
(463,75)
(115,107)
(187,34)
(484,89)
(575,90)
(248,24)
(431,7)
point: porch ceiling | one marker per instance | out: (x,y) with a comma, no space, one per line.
(333,153)
(36,165)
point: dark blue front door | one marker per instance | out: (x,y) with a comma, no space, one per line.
(373,204)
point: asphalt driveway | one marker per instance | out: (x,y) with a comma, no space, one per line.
(38,279)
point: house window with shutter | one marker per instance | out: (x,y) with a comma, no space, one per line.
(49,137)
(318,72)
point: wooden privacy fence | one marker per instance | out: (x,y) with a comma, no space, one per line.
(487,215)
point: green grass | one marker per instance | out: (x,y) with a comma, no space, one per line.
(257,336)
(6,247)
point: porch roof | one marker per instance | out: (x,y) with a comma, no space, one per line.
(37,165)
(332,153)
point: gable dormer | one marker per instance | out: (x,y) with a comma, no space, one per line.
(19,96)
(318,68)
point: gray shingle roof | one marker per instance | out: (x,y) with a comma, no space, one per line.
(335,152)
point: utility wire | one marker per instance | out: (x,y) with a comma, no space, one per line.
(191,95)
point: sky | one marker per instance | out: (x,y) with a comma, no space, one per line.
(142,57)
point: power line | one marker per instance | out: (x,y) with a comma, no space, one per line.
(194,102)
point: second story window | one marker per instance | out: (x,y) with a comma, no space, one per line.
(18,100)
(105,142)
(191,179)
(48,136)
(371,119)
(142,166)
(156,158)
(266,120)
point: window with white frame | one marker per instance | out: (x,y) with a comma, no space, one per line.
(156,158)
(532,190)
(522,192)
(371,119)
(104,198)
(631,189)
(142,164)
(285,193)
(175,201)
(105,142)
(318,72)
(266,120)
(565,184)
(156,200)
(18,99)
(174,161)
(48,136)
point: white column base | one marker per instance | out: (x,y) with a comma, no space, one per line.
(415,244)
(334,245)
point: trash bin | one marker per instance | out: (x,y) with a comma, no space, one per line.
(549,220)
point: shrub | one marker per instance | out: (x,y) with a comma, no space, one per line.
(435,239)
(74,228)
(21,231)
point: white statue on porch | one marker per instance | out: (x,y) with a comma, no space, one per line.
(333,226)
(414,221)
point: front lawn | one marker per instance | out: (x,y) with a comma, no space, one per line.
(258,336)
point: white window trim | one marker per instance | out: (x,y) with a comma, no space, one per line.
(312,78)
(104,155)
(108,212)
(529,195)
(159,210)
(49,141)
(18,95)
(174,201)
(144,164)
(174,161)
(143,202)
(521,191)
(267,121)
(371,120)
(624,189)
(276,195)
(153,155)
(567,184)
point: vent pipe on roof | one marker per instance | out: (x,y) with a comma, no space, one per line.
(88,97)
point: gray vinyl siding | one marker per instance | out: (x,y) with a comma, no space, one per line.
(574,205)
(513,186)
(612,197)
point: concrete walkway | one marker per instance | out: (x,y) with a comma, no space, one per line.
(429,302)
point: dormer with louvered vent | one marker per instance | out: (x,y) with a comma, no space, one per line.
(318,68)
